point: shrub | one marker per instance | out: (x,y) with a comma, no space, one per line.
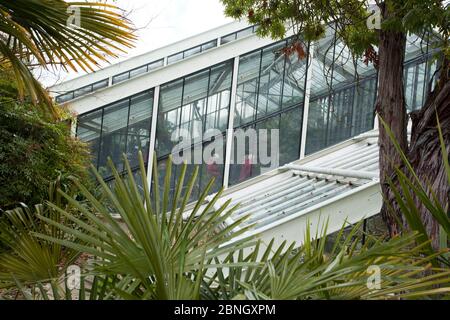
(35,150)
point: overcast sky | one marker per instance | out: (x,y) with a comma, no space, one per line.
(161,22)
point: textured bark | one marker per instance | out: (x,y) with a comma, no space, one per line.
(425,151)
(391,107)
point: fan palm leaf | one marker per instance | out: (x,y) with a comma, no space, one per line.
(38,32)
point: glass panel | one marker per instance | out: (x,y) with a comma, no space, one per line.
(317,125)
(100,85)
(114,136)
(227,39)
(244,162)
(191,52)
(65,97)
(415,47)
(82,91)
(89,129)
(340,116)
(271,79)
(290,130)
(175,57)
(243,33)
(219,97)
(212,169)
(138,71)
(341,104)
(248,75)
(294,81)
(168,116)
(139,123)
(415,86)
(322,66)
(121,77)
(209,45)
(194,104)
(156,64)
(364,106)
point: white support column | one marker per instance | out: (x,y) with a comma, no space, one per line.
(153,136)
(306,105)
(230,130)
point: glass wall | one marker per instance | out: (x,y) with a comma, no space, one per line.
(420,71)
(270,95)
(188,108)
(122,127)
(343,92)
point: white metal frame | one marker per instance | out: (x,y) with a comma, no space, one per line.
(153,136)
(229,144)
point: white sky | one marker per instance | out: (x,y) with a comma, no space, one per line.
(161,22)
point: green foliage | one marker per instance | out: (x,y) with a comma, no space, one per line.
(25,258)
(34,151)
(306,18)
(39,31)
(157,251)
(312,272)
(411,188)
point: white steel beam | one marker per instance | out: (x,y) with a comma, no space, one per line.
(153,136)
(229,144)
(304,131)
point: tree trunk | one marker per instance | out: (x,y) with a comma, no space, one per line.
(391,108)
(425,151)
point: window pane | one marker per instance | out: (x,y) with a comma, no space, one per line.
(219,97)
(244,160)
(138,71)
(209,45)
(100,85)
(271,80)
(89,129)
(168,116)
(341,103)
(228,38)
(243,33)
(121,77)
(317,125)
(114,133)
(82,91)
(191,52)
(175,57)
(156,64)
(194,104)
(248,75)
(364,106)
(139,124)
(290,131)
(294,80)
(65,97)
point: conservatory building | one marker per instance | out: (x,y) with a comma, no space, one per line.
(320,99)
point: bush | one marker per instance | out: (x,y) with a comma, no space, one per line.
(34,151)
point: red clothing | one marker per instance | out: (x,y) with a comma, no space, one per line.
(246,170)
(213,169)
